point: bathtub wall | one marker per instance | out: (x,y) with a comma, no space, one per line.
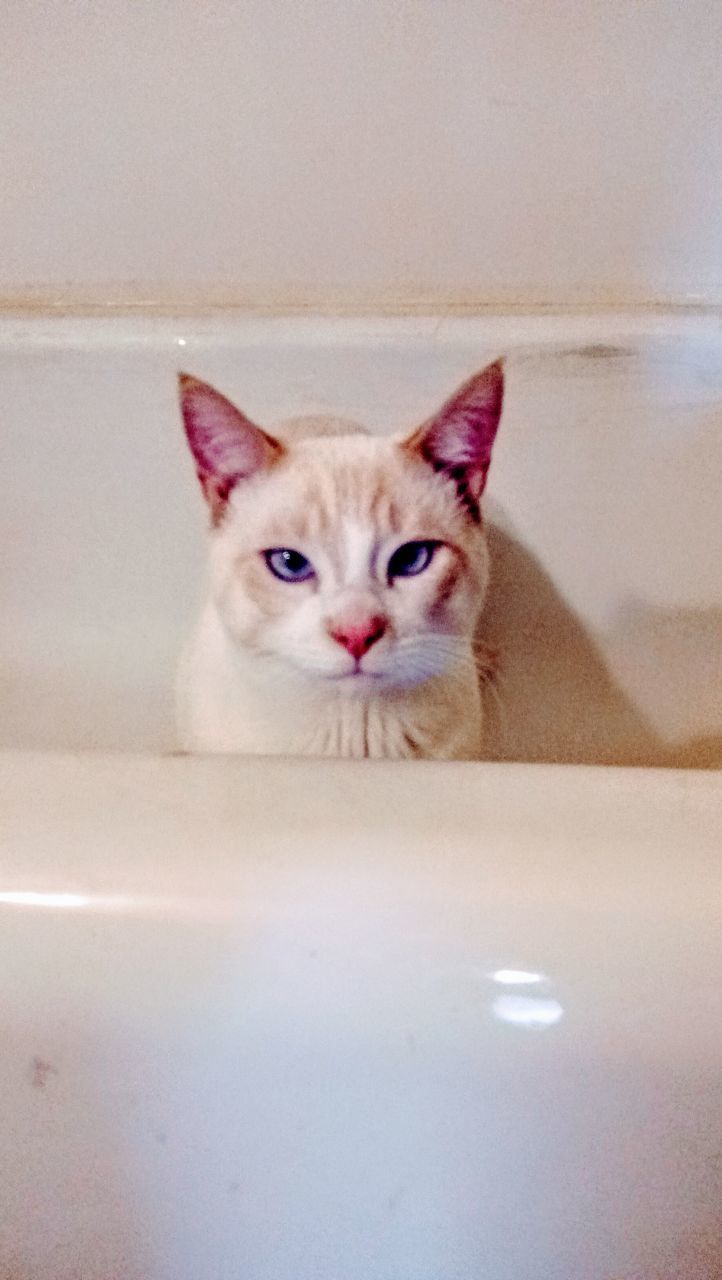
(603,506)
(390,152)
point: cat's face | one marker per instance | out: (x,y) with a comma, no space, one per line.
(352,559)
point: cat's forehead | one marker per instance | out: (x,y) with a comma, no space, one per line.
(329,488)
(354,481)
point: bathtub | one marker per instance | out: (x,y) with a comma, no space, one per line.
(299,1020)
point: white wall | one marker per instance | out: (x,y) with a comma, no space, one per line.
(363,150)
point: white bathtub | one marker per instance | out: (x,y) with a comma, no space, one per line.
(310,1021)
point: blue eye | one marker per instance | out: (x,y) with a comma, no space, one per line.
(411,558)
(289,565)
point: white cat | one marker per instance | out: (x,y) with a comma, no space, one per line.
(347,576)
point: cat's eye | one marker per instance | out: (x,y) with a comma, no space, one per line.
(411,558)
(289,565)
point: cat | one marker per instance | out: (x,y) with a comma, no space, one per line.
(347,575)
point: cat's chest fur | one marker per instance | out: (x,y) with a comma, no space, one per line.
(233,702)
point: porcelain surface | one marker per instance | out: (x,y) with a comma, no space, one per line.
(304,1021)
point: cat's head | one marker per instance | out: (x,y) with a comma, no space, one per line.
(350,558)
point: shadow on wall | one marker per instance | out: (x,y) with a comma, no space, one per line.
(555,698)
(698,1256)
(674,659)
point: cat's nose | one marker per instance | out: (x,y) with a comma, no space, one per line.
(360,635)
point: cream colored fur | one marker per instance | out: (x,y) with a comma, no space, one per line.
(262,674)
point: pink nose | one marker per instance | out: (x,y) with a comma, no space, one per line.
(358,637)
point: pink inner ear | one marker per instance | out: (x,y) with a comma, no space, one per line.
(459,439)
(226,445)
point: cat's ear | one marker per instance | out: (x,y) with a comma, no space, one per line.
(459,439)
(226,445)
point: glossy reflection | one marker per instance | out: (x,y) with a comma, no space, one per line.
(516,977)
(182,908)
(534,1012)
(29,898)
